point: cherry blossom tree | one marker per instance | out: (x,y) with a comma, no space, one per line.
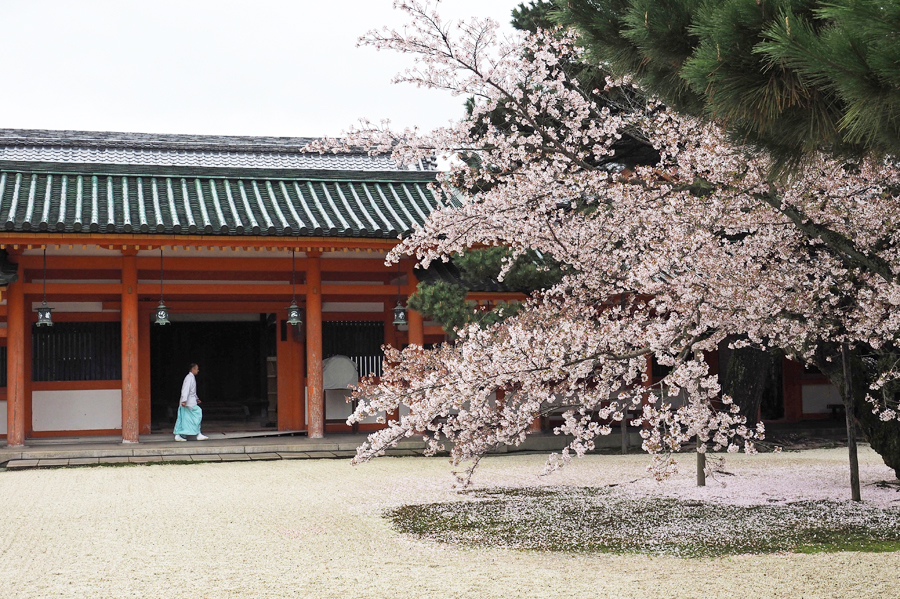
(662,261)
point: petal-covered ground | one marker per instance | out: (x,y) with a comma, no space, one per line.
(315,528)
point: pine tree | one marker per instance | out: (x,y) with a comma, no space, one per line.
(791,76)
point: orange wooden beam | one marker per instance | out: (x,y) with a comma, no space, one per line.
(216,262)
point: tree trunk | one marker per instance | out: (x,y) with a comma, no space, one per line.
(701,467)
(851,425)
(748,377)
(884,437)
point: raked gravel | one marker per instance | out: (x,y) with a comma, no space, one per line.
(313,528)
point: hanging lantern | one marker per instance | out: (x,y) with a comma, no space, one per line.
(400,314)
(399,310)
(161,316)
(44,317)
(294,317)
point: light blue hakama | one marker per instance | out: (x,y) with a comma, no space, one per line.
(188,422)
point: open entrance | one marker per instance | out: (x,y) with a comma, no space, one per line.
(236,384)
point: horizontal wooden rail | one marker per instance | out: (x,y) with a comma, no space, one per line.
(224,261)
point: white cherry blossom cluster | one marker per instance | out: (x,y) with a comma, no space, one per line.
(663,260)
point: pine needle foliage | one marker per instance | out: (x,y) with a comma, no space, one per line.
(790,76)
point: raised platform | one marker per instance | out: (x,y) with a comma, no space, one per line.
(277,445)
(224,447)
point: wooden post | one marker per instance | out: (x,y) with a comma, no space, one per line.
(30,319)
(299,377)
(416,328)
(290,376)
(144,404)
(283,360)
(15,372)
(130,350)
(416,333)
(315,383)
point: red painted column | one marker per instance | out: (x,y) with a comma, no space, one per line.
(283,360)
(416,328)
(15,369)
(299,377)
(144,419)
(290,376)
(130,350)
(30,319)
(416,333)
(316,393)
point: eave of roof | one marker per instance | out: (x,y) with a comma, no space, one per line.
(86,201)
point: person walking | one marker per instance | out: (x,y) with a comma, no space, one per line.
(189,412)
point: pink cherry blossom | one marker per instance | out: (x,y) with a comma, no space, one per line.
(665,260)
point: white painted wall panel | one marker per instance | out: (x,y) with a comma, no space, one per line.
(3,417)
(77,410)
(816,397)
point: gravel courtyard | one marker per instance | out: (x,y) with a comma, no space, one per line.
(312,528)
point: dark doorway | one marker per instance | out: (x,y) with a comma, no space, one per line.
(232,383)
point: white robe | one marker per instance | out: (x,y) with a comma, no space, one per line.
(189,391)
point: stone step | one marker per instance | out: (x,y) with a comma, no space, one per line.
(230,456)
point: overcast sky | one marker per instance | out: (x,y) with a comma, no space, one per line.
(261,67)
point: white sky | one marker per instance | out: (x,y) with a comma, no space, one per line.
(217,67)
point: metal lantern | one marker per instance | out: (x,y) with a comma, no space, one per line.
(294,317)
(44,317)
(161,316)
(400,314)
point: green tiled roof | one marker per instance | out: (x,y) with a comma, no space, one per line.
(330,203)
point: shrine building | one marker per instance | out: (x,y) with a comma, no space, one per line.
(227,233)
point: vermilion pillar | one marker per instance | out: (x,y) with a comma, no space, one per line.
(300,378)
(416,333)
(144,371)
(316,394)
(416,328)
(290,376)
(15,369)
(130,350)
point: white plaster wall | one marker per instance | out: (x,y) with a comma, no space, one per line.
(73,306)
(366,307)
(3,417)
(816,397)
(77,410)
(229,317)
